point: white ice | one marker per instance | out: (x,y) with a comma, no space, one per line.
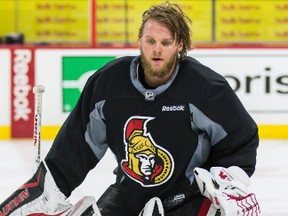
(269,182)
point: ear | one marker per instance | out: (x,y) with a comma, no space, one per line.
(180,46)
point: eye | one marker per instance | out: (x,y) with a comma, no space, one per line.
(167,42)
(150,41)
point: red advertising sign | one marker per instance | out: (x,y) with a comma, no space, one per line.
(22,82)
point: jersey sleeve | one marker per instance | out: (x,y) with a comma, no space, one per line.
(238,137)
(71,156)
(228,132)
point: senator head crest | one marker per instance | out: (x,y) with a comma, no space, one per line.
(146,162)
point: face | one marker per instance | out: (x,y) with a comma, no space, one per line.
(146,163)
(158,50)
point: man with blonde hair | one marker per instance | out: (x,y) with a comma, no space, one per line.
(163,108)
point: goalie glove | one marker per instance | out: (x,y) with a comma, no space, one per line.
(38,196)
(227,188)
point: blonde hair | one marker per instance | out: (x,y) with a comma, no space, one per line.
(175,19)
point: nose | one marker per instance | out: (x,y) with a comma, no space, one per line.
(158,48)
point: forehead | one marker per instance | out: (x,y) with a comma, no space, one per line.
(156,29)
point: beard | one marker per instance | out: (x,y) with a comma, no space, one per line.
(167,67)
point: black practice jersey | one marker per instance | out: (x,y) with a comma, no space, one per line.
(157,135)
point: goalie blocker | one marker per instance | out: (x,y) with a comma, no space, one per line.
(41,196)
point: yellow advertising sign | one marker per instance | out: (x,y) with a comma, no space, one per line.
(62,21)
(111,22)
(200,12)
(7,17)
(118,21)
(251,21)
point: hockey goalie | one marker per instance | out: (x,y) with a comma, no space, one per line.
(183,142)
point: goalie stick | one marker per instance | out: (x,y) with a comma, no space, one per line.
(87,205)
(38,90)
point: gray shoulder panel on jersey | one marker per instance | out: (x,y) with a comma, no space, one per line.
(209,133)
(95,134)
(138,85)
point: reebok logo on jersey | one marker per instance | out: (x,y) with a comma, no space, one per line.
(173,108)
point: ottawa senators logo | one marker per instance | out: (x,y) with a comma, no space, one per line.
(146,162)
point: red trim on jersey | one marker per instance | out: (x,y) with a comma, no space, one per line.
(206,204)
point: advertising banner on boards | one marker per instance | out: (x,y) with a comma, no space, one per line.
(75,72)
(22,82)
(258,76)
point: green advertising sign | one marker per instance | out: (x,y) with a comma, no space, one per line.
(75,72)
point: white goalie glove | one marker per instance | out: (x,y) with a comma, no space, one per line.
(227,188)
(40,196)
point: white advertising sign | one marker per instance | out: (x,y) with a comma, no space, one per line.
(259,78)
(5,62)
